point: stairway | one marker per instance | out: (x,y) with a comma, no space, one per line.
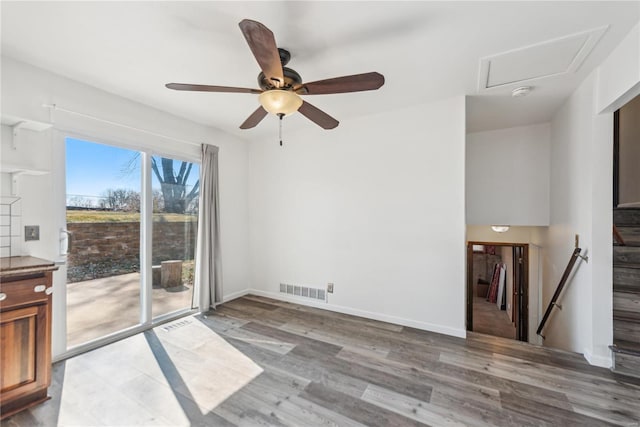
(626,293)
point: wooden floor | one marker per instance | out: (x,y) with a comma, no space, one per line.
(258,361)
(489,320)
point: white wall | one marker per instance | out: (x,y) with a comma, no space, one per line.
(375,206)
(535,293)
(619,75)
(26,88)
(517,234)
(581,200)
(507,180)
(37,157)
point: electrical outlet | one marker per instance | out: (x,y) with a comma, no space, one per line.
(330,288)
(31,232)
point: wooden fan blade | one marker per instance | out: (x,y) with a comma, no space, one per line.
(255,118)
(317,116)
(207,88)
(354,83)
(263,46)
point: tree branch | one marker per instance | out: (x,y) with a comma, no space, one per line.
(194,192)
(186,176)
(180,178)
(154,167)
(167,171)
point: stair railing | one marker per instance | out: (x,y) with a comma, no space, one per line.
(563,280)
(618,238)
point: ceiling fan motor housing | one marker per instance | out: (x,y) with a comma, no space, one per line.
(285,56)
(291,78)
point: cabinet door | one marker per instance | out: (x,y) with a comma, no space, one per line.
(20,330)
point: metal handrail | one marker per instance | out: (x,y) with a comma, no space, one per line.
(617,236)
(556,294)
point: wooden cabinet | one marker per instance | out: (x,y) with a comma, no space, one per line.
(25,332)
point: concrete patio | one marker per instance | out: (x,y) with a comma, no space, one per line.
(99,307)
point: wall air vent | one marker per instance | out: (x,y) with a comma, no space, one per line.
(303,291)
(549,58)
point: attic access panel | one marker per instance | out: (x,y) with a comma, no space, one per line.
(549,58)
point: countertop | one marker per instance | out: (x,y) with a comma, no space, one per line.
(10,266)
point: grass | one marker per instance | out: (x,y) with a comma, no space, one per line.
(102,216)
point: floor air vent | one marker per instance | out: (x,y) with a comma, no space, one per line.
(175,325)
(303,291)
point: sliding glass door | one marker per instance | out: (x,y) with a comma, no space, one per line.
(106,196)
(103,220)
(175,189)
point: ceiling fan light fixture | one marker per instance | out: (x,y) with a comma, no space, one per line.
(279,101)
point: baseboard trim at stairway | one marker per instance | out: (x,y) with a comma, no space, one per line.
(601,361)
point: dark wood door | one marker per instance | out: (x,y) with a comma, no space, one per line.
(521,292)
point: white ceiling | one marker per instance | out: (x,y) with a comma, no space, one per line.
(426,51)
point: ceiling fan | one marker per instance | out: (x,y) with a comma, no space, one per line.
(280,86)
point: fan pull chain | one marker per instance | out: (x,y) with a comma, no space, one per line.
(280,128)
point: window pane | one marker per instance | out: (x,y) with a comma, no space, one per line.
(175,188)
(103,217)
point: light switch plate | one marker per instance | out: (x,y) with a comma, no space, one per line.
(31,232)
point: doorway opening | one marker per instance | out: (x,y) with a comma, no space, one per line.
(626,155)
(626,232)
(497,289)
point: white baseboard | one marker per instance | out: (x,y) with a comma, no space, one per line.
(602,361)
(536,340)
(446,330)
(234,295)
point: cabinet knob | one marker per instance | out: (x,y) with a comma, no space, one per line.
(3,296)
(39,288)
(49,290)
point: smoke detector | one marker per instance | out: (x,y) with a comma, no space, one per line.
(521,91)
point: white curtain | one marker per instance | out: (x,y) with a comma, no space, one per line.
(208,272)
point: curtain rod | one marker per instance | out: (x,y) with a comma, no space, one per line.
(54,107)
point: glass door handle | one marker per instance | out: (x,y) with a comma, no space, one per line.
(65,235)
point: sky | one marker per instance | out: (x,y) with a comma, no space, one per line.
(93,168)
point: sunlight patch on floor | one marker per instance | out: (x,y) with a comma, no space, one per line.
(163,377)
(227,369)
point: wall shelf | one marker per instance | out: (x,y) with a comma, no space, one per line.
(21,170)
(18,124)
(15,171)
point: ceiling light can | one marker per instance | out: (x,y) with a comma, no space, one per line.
(500,228)
(521,91)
